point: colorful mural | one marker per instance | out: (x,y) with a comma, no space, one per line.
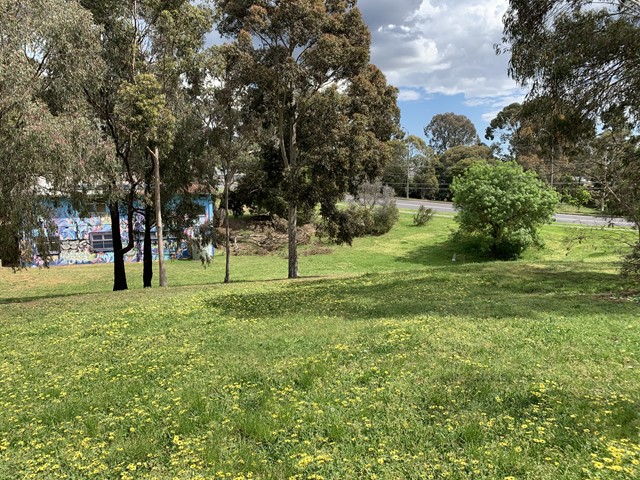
(75,236)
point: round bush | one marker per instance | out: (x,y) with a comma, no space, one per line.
(504,205)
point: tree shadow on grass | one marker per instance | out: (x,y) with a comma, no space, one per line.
(486,291)
(44,296)
(447,252)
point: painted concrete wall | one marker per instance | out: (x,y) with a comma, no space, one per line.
(75,233)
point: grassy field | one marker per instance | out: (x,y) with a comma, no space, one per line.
(387,361)
(571,209)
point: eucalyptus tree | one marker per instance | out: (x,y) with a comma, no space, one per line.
(308,58)
(448,130)
(47,53)
(583,54)
(145,117)
(161,38)
(232,129)
(507,125)
(587,54)
(582,51)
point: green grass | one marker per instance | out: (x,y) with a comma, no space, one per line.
(571,209)
(387,361)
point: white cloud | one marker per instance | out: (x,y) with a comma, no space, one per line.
(441,46)
(487,117)
(410,95)
(495,101)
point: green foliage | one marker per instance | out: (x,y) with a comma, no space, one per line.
(142,100)
(359,221)
(232,127)
(455,161)
(507,122)
(48,52)
(423,216)
(614,170)
(502,205)
(576,195)
(569,49)
(448,130)
(376,207)
(373,212)
(142,108)
(580,61)
(384,218)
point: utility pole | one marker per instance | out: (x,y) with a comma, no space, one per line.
(408,170)
(408,144)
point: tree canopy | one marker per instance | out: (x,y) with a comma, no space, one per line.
(447,130)
(48,51)
(584,56)
(231,128)
(584,52)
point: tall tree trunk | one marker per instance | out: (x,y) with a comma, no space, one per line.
(156,166)
(293,241)
(147,248)
(119,274)
(147,251)
(10,250)
(227,230)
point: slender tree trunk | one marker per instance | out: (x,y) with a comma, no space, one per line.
(293,241)
(227,230)
(603,198)
(119,274)
(147,251)
(156,173)
(551,180)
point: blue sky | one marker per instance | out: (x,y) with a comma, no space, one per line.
(440,54)
(416,114)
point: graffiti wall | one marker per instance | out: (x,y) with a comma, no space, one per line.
(79,244)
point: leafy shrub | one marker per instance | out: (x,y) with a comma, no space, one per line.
(360,219)
(365,221)
(384,218)
(504,205)
(374,212)
(423,216)
(574,194)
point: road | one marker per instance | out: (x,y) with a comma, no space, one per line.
(447,207)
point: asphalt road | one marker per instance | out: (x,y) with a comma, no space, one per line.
(589,220)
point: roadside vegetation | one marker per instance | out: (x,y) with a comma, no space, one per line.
(388,361)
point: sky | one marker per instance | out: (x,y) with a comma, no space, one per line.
(440,55)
